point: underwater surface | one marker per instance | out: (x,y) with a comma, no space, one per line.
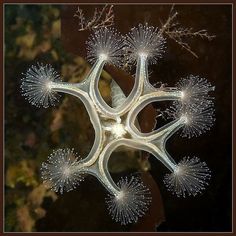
(49,34)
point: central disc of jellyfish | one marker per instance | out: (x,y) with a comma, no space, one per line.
(191,112)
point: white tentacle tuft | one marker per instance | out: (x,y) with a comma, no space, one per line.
(131,203)
(105,44)
(144,40)
(60,171)
(198,118)
(36,85)
(195,90)
(189,178)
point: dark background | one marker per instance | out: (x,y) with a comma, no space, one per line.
(210,211)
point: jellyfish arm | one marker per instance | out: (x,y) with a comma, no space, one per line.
(158,95)
(129,199)
(103,108)
(77,91)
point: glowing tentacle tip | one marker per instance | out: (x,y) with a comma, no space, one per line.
(36,85)
(198,119)
(144,41)
(189,178)
(131,203)
(195,90)
(106,45)
(60,172)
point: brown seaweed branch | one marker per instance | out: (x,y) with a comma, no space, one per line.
(180,34)
(101,18)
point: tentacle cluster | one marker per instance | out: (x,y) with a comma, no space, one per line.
(144,40)
(198,119)
(131,203)
(36,85)
(196,105)
(60,170)
(105,43)
(192,110)
(189,177)
(195,91)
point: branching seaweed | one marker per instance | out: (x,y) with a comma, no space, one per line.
(101,18)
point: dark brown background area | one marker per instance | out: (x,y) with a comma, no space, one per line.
(84,209)
(212,210)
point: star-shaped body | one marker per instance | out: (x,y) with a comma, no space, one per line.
(115,126)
